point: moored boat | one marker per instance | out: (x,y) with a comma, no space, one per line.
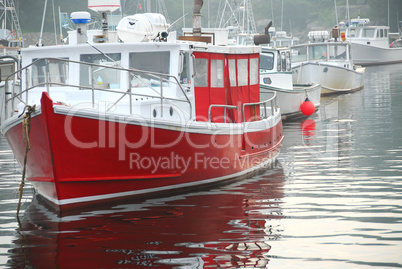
(370,44)
(282,39)
(276,78)
(327,63)
(112,120)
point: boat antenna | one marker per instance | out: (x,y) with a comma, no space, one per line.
(101,52)
(182,17)
(282,17)
(336,13)
(43,23)
(54,22)
(388,13)
(348,21)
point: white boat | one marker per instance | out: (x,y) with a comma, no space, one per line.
(327,63)
(282,39)
(276,77)
(370,44)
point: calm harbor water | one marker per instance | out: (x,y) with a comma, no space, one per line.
(332,200)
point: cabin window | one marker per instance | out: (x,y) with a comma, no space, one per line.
(299,54)
(283,61)
(217,73)
(318,52)
(278,67)
(57,70)
(368,32)
(385,33)
(242,68)
(102,76)
(353,33)
(288,63)
(267,61)
(201,73)
(155,61)
(185,69)
(232,72)
(337,52)
(254,72)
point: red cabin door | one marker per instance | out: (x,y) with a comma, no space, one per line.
(217,88)
(201,85)
(254,88)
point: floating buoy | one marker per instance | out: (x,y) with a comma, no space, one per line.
(307,108)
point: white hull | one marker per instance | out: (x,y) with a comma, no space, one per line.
(370,55)
(333,79)
(290,100)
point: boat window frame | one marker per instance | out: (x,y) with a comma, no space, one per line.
(242,72)
(42,79)
(100,59)
(369,30)
(279,62)
(283,61)
(184,70)
(232,72)
(201,76)
(254,69)
(271,64)
(161,67)
(288,62)
(217,73)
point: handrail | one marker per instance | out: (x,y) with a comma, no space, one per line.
(224,106)
(264,103)
(130,72)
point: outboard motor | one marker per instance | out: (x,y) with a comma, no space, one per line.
(263,39)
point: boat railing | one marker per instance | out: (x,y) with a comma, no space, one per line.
(263,104)
(226,107)
(159,79)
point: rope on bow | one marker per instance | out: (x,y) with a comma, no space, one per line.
(26,129)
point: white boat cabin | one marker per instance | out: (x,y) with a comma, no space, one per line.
(275,68)
(360,32)
(149,79)
(334,53)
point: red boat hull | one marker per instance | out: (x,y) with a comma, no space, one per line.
(75,160)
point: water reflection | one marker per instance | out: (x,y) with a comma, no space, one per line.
(336,203)
(231,227)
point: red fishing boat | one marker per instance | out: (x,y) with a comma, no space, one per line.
(111,120)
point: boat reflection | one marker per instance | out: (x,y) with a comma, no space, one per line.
(230,227)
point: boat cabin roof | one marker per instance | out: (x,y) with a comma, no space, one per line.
(321,51)
(73,52)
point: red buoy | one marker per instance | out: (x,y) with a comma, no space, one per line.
(307,108)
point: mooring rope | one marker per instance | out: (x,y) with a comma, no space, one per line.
(26,129)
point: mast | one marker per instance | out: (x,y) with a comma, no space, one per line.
(15,25)
(43,23)
(240,16)
(282,17)
(54,22)
(336,13)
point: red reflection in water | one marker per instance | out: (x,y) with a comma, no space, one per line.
(228,227)
(308,128)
